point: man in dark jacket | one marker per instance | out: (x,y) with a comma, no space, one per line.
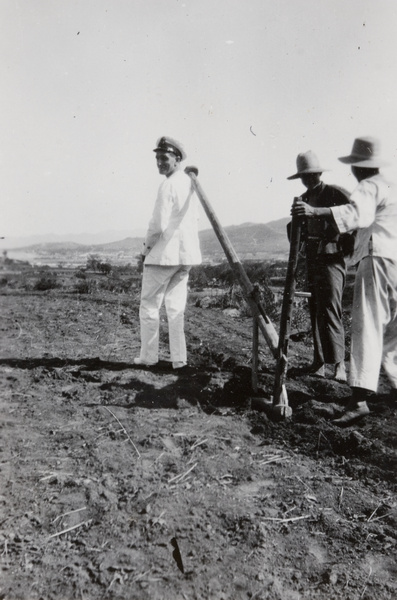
(325,269)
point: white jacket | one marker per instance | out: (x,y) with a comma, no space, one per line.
(373,212)
(172,237)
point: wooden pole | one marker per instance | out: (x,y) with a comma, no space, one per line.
(286,311)
(280,408)
(255,357)
(249,292)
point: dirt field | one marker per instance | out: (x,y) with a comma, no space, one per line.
(120,482)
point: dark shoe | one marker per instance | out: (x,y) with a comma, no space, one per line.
(326,410)
(352,414)
(314,369)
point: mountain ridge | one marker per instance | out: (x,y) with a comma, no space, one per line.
(85,239)
(255,241)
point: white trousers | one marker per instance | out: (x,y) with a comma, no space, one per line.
(374,323)
(169,285)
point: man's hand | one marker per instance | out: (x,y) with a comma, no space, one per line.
(302,209)
(192,169)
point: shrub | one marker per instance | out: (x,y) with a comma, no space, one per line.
(104,267)
(85,286)
(47,281)
(117,284)
(94,264)
(221,275)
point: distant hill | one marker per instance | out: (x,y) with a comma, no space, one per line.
(128,244)
(251,241)
(85,239)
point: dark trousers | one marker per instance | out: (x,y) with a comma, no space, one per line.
(326,277)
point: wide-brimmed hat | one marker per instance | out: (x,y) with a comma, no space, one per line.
(365,153)
(307,162)
(168,144)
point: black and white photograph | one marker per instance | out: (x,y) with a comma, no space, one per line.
(198,300)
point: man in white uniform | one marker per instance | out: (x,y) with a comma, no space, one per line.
(373,213)
(170,248)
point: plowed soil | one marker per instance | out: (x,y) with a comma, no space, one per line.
(127,483)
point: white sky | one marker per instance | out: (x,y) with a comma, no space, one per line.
(90,85)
